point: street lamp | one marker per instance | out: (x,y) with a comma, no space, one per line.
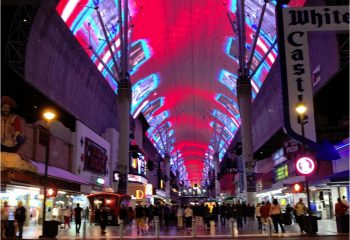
(48,115)
(301,108)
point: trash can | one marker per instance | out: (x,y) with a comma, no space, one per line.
(51,228)
(306,220)
(342,223)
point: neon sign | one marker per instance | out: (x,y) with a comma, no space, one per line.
(305,165)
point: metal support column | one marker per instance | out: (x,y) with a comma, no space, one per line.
(124,102)
(167,172)
(217,169)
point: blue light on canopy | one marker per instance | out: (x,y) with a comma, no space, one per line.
(156,122)
(152,107)
(142,89)
(139,54)
(229,104)
(224,119)
(229,80)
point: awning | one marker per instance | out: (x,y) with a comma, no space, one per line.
(340,176)
(59,173)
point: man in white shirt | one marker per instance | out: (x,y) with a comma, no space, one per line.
(188,217)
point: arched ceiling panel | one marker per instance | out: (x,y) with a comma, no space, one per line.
(183,61)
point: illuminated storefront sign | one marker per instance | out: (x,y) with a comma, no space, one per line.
(305,165)
(149,190)
(131,178)
(281,172)
(100,181)
(160,193)
(139,194)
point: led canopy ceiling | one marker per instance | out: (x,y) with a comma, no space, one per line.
(183,66)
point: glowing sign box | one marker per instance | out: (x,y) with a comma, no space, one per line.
(305,165)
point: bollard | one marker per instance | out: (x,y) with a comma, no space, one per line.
(232,228)
(84,229)
(121,229)
(270,227)
(194,228)
(235,229)
(157,228)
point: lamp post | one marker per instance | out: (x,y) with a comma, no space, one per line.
(301,108)
(48,116)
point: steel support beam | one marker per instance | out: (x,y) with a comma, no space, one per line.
(115,63)
(262,60)
(256,36)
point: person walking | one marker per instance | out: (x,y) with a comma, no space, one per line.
(188,217)
(166,212)
(131,216)
(20,217)
(140,218)
(207,217)
(265,213)
(300,211)
(77,216)
(258,215)
(180,217)
(4,219)
(103,218)
(275,213)
(223,214)
(67,215)
(340,213)
(123,215)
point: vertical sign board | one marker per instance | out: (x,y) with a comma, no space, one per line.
(293,31)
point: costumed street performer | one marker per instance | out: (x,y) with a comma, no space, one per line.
(12,138)
(11,132)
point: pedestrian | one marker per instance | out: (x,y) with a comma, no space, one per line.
(206,216)
(188,217)
(20,217)
(258,215)
(67,215)
(166,212)
(131,216)
(223,214)
(180,219)
(275,213)
(77,215)
(244,212)
(103,218)
(289,215)
(150,215)
(300,211)
(140,218)
(346,203)
(340,213)
(215,213)
(60,215)
(123,215)
(240,215)
(4,219)
(265,213)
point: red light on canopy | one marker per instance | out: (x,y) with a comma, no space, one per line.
(305,165)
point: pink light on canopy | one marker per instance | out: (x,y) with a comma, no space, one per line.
(183,46)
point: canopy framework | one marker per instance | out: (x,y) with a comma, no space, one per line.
(184,64)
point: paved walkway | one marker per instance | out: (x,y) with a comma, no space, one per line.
(325,228)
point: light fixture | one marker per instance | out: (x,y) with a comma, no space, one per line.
(300,108)
(49,115)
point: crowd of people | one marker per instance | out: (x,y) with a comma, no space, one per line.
(202,214)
